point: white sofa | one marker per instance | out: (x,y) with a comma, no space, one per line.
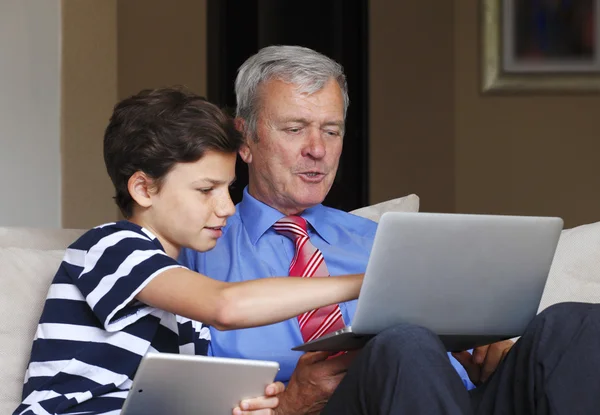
(30,257)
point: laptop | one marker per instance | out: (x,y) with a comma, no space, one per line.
(168,383)
(471,279)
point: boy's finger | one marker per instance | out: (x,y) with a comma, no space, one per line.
(238,411)
(262,402)
(274,388)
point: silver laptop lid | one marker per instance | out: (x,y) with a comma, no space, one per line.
(456,273)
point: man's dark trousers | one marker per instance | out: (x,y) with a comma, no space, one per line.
(554,368)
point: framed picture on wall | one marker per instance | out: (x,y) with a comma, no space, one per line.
(540,45)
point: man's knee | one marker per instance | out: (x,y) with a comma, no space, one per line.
(407,349)
(404,338)
(570,311)
(565,317)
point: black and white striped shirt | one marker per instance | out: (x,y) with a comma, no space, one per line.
(93,334)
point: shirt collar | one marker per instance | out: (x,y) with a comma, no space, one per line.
(318,217)
(258,217)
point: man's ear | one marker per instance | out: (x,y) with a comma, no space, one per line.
(244,151)
(141,188)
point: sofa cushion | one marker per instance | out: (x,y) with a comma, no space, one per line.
(26,275)
(38,238)
(575,271)
(408,203)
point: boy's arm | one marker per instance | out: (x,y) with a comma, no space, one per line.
(228,306)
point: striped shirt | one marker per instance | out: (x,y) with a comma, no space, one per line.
(93,333)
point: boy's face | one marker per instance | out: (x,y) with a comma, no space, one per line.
(193,203)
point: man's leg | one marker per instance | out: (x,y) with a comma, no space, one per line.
(553,369)
(403,370)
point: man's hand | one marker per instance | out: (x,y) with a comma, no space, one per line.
(484,361)
(263,405)
(313,382)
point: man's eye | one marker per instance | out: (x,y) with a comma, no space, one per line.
(206,190)
(293,130)
(333,133)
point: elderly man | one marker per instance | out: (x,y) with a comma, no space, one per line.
(291,107)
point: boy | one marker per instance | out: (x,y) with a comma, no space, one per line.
(120,292)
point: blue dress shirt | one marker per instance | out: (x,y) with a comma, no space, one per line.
(251,249)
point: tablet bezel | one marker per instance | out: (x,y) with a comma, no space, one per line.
(189,385)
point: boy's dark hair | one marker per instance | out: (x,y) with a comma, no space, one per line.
(157,128)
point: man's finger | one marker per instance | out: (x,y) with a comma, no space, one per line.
(504,353)
(464,358)
(491,362)
(479,354)
(339,364)
(495,354)
(310,358)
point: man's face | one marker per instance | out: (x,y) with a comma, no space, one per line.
(193,203)
(293,163)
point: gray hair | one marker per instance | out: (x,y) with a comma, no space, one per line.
(304,67)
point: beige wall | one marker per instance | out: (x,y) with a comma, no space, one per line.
(411,98)
(521,155)
(89,91)
(30,81)
(112,49)
(161,43)
(433,133)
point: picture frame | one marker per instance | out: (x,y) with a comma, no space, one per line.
(540,46)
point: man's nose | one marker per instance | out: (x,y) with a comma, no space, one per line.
(315,145)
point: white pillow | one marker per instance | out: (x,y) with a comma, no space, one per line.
(25,276)
(575,271)
(408,203)
(38,238)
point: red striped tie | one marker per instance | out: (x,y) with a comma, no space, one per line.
(309,262)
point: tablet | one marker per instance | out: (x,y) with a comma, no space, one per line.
(191,385)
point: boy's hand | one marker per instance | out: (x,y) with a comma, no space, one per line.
(263,405)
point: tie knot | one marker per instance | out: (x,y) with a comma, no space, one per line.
(293,227)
